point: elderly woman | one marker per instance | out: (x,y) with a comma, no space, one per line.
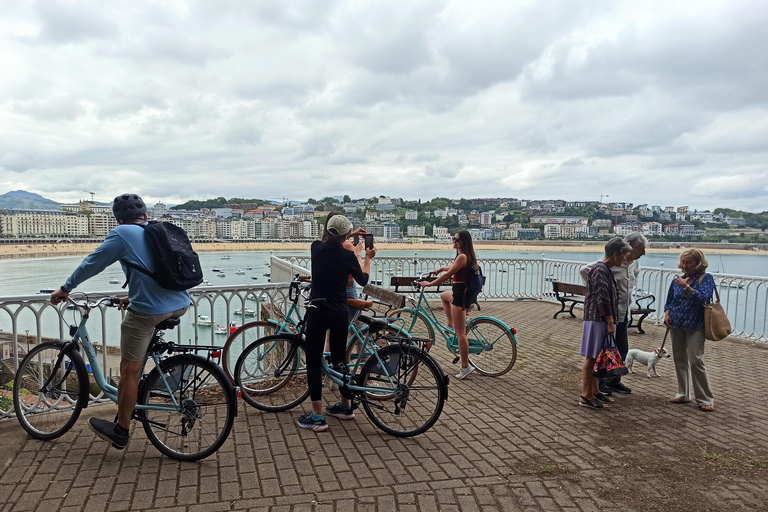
(684,315)
(601,307)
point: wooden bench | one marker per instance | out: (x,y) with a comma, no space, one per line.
(642,311)
(396,300)
(397,282)
(567,292)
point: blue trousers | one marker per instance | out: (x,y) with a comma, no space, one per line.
(622,343)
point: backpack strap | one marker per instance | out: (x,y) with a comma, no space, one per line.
(133,266)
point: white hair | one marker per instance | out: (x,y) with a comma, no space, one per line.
(635,238)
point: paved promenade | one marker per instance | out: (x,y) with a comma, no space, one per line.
(518,442)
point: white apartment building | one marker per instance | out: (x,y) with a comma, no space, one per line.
(441,214)
(239,229)
(440,232)
(411,215)
(551,230)
(602,223)
(223,228)
(417,231)
(386,216)
(572,230)
(100,224)
(486,218)
(40,223)
(653,229)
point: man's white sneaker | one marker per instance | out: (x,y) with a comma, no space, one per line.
(464,372)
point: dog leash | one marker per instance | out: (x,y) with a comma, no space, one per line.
(663,343)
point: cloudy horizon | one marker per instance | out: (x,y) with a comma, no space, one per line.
(645,102)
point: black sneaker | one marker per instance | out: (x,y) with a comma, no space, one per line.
(604,389)
(618,387)
(106,430)
(309,422)
(341,411)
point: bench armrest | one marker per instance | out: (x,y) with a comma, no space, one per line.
(645,297)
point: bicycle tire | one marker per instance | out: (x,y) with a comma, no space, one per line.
(413,322)
(208,407)
(502,357)
(424,400)
(353,349)
(246,334)
(58,407)
(255,374)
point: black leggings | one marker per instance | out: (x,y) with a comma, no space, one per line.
(318,322)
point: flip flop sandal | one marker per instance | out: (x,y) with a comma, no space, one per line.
(707,408)
(594,404)
(603,398)
(678,400)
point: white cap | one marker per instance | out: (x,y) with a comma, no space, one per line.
(340,224)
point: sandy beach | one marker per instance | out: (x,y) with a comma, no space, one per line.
(11,251)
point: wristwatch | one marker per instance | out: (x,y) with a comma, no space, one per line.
(65,290)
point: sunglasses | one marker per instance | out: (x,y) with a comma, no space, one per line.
(457,239)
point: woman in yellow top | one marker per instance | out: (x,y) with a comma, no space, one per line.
(458,300)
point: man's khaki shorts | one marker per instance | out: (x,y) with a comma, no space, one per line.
(136,332)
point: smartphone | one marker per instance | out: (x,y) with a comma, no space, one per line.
(355,240)
(368,241)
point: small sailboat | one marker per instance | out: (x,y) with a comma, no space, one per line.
(114,281)
(215,270)
(240,272)
(220,329)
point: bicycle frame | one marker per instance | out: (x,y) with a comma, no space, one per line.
(451,342)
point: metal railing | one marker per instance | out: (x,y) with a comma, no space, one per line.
(745,298)
(34,320)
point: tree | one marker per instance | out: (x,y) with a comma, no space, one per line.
(347,199)
(311,201)
(330,200)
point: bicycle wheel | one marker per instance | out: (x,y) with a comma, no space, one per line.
(48,411)
(412,408)
(270,374)
(241,338)
(500,345)
(356,350)
(200,407)
(412,321)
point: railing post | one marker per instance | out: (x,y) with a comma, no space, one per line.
(541,281)
(660,294)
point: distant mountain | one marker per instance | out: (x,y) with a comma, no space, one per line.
(23,200)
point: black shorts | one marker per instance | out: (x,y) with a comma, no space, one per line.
(458,294)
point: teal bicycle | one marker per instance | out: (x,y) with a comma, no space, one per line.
(185,403)
(400,386)
(492,344)
(247,334)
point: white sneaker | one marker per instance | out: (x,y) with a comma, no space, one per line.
(464,372)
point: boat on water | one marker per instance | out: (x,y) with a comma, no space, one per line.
(215,270)
(732,284)
(46,291)
(222,274)
(240,272)
(226,257)
(202,320)
(220,329)
(205,283)
(267,274)
(248,267)
(246,311)
(114,281)
(254,277)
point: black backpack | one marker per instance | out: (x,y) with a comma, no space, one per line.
(177,266)
(474,283)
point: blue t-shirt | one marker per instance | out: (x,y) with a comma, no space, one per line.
(687,311)
(127,242)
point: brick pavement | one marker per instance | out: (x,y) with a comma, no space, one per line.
(518,442)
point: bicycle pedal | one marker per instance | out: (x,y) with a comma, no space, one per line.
(354,404)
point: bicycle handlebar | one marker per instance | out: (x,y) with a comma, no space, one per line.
(108,301)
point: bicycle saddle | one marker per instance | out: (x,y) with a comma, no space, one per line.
(376,324)
(168,323)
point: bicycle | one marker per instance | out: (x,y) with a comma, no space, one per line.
(248,333)
(492,344)
(401,387)
(185,403)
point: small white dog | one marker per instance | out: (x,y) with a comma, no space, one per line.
(649,359)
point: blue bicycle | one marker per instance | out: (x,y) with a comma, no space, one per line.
(186,403)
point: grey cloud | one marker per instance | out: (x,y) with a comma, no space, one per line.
(54,108)
(17,162)
(72,22)
(444,169)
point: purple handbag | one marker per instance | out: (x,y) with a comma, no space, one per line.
(609,362)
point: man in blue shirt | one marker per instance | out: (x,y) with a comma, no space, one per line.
(147,305)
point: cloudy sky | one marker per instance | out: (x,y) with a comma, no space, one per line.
(659,102)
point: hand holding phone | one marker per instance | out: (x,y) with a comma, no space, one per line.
(368,241)
(356,240)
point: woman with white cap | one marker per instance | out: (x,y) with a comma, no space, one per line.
(331,266)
